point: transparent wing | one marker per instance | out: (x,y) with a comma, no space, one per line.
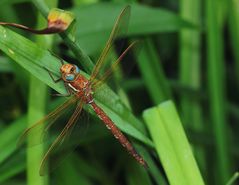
(37,133)
(120,28)
(96,83)
(60,140)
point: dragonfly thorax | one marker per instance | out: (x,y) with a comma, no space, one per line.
(81,86)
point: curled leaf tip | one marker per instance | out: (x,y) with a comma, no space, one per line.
(58,21)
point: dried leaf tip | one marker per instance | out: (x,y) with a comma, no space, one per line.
(59,19)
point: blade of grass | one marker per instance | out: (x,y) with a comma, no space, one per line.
(233,18)
(8,13)
(153,167)
(233,179)
(216,88)
(67,172)
(172,145)
(14,166)
(38,95)
(86,168)
(190,59)
(136,175)
(190,73)
(36,110)
(9,136)
(153,74)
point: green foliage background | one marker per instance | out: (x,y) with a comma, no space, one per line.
(178,105)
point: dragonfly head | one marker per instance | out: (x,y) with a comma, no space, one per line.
(69,72)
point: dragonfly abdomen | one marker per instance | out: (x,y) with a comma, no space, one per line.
(118,134)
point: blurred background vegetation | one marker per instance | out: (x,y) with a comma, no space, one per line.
(188,55)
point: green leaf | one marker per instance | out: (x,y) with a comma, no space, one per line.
(9,136)
(172,145)
(13,166)
(94,23)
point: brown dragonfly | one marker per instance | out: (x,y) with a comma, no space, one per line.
(82,91)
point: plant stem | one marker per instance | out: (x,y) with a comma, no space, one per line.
(36,110)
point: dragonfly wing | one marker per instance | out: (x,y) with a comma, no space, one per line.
(62,138)
(96,83)
(120,28)
(37,132)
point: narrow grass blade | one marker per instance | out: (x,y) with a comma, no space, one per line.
(136,175)
(190,60)
(68,172)
(233,179)
(9,136)
(171,145)
(216,89)
(154,171)
(153,74)
(190,72)
(36,110)
(15,165)
(8,13)
(233,18)
(37,101)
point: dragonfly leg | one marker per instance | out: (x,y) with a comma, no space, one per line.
(69,92)
(55,55)
(54,80)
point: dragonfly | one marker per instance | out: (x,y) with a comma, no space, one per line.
(81,91)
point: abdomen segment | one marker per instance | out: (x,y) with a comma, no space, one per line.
(118,134)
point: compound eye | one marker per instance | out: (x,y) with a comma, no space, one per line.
(70,77)
(77,69)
